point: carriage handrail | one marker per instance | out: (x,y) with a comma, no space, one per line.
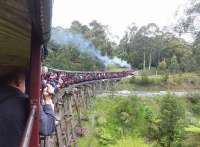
(27,133)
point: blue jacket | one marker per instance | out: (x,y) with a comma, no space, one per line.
(47,120)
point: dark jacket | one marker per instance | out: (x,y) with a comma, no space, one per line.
(47,120)
(13,116)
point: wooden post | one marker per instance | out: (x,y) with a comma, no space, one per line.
(34,87)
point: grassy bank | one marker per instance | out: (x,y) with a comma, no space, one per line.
(134,122)
(111,127)
(115,68)
(175,82)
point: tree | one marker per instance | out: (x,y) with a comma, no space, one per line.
(77,27)
(69,57)
(172,114)
(189,23)
(148,45)
(188,62)
(162,66)
(99,38)
(97,34)
(174,66)
(149,117)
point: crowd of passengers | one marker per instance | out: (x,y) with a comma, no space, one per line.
(64,79)
(53,81)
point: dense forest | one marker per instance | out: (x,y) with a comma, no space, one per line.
(85,47)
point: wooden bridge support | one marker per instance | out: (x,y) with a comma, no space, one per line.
(70,105)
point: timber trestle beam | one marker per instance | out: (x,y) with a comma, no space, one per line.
(71,105)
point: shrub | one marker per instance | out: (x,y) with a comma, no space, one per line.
(127,113)
(194,99)
(162,66)
(152,130)
(131,142)
(172,114)
(104,137)
(144,78)
(133,80)
(165,77)
(196,109)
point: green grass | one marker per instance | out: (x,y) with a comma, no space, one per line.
(175,82)
(131,142)
(115,68)
(107,129)
(193,129)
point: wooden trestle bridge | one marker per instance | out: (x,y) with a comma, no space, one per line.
(71,103)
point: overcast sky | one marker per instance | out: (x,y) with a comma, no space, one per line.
(117,14)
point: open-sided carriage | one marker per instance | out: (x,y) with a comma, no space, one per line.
(24,31)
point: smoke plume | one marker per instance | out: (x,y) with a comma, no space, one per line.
(64,37)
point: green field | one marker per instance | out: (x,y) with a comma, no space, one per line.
(115,68)
(124,122)
(174,82)
(118,121)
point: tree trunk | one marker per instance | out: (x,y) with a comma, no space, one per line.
(150,61)
(144,62)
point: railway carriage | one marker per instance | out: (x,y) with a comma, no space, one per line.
(25,27)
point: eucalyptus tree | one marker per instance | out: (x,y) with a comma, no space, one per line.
(189,22)
(141,45)
(100,38)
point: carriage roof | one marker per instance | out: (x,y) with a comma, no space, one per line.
(18,19)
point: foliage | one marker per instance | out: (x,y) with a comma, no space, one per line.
(140,46)
(104,137)
(165,76)
(174,66)
(126,113)
(188,22)
(144,78)
(166,81)
(115,68)
(162,66)
(134,121)
(150,118)
(193,129)
(117,118)
(172,114)
(97,34)
(150,45)
(194,99)
(69,58)
(131,142)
